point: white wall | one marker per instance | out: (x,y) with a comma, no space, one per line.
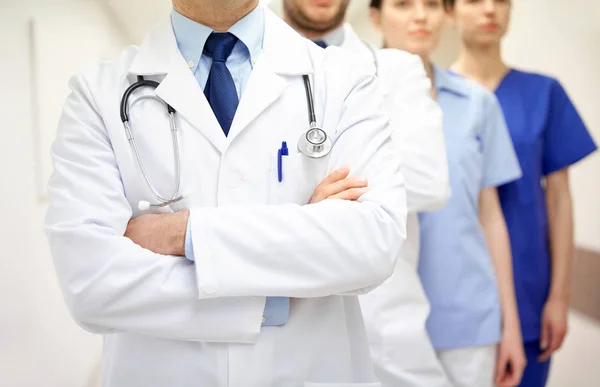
(558,38)
(135,17)
(40,344)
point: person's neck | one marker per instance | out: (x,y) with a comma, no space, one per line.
(483,65)
(429,71)
(218,15)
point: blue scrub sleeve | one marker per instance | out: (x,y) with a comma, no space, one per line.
(501,165)
(566,139)
(189,246)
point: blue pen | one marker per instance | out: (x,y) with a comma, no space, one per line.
(280,153)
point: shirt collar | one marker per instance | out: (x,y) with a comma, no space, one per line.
(191,36)
(335,37)
(446,81)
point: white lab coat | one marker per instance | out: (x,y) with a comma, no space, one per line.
(169,322)
(396,312)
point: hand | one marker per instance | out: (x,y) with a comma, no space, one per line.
(511,358)
(161,234)
(554,327)
(339,186)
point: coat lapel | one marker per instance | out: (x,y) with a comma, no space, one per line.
(263,89)
(285,53)
(159,55)
(181,90)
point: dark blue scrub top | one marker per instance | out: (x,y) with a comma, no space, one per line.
(548,135)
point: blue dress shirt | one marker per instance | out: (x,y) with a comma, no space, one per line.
(191,38)
(455,265)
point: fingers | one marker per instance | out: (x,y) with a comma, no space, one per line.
(515,372)
(321,190)
(510,374)
(510,366)
(336,184)
(510,381)
(545,355)
(555,336)
(546,341)
(545,336)
(501,369)
(559,335)
(336,175)
(344,185)
(350,194)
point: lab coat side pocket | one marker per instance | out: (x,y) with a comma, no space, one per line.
(299,177)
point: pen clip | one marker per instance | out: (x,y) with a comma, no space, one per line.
(284,151)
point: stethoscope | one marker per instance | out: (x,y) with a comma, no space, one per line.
(314,143)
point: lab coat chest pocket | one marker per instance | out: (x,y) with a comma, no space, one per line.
(299,177)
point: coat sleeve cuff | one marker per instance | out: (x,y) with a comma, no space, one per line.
(206,275)
(189,245)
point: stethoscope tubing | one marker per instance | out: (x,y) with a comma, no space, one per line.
(125,118)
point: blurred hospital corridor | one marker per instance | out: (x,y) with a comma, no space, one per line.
(44,42)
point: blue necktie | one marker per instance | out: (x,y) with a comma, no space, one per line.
(220,89)
(222,96)
(320,43)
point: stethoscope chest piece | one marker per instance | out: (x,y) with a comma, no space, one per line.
(314,143)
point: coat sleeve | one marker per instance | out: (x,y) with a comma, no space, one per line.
(109,283)
(416,120)
(329,248)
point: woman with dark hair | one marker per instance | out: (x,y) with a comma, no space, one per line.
(465,262)
(549,137)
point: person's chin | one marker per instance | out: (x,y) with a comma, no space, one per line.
(490,38)
(322,15)
(320,21)
(419,47)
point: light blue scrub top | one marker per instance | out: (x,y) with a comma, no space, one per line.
(455,265)
(548,135)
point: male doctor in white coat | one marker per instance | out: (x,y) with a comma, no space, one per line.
(251,280)
(396,312)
